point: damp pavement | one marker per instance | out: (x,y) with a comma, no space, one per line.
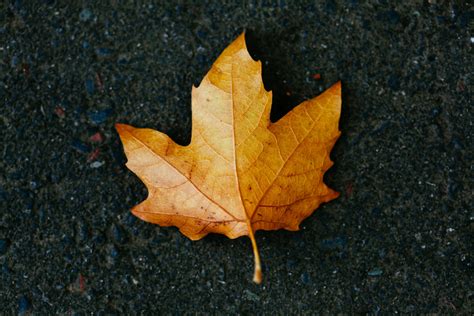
(397,240)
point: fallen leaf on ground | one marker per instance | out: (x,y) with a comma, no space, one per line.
(241,172)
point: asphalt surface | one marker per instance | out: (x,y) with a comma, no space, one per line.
(398,240)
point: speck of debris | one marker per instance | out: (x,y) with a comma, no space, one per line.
(97,164)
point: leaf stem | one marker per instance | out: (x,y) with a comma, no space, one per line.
(257,275)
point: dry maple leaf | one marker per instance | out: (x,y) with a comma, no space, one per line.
(241,172)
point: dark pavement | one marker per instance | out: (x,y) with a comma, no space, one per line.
(398,240)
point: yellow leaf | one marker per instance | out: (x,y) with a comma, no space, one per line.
(241,172)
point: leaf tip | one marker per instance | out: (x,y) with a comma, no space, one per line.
(241,42)
(333,195)
(336,88)
(121,127)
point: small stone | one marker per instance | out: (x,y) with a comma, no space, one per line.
(80,146)
(4,244)
(111,255)
(79,285)
(97,164)
(5,269)
(251,296)
(435,112)
(305,278)
(41,215)
(457,143)
(33,185)
(410,309)
(66,240)
(140,260)
(117,234)
(201,34)
(60,112)
(375,272)
(15,61)
(90,86)
(85,15)
(123,59)
(114,252)
(97,138)
(338,242)
(93,155)
(23,305)
(82,232)
(99,117)
(453,188)
(221,274)
(103,52)
(382,253)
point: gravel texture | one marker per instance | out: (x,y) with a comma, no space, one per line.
(398,240)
